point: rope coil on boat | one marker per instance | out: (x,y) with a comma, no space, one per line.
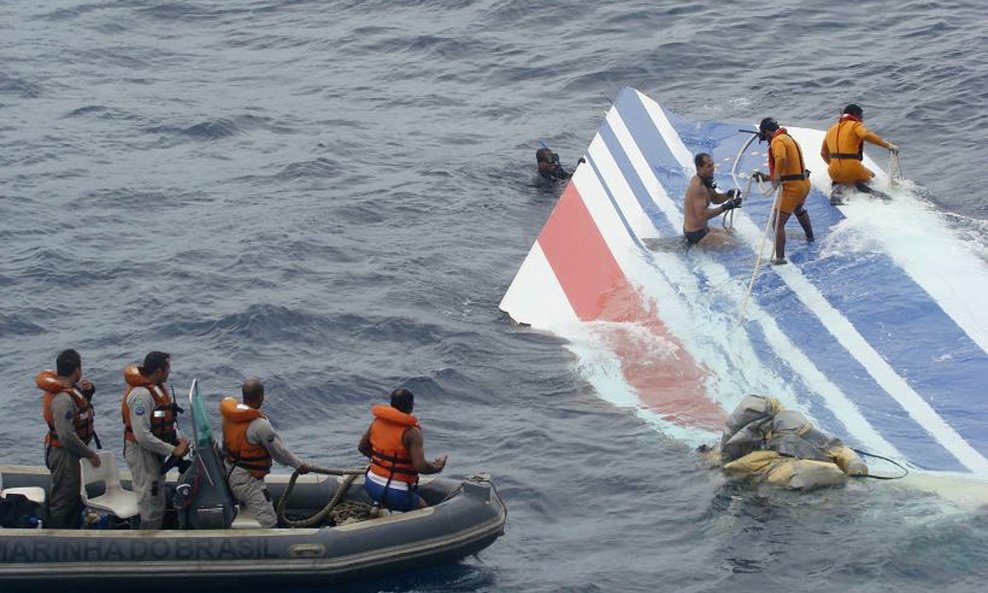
(321,515)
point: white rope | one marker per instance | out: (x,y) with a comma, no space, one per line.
(894,171)
(761,249)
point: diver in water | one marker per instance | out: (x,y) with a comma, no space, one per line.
(549,166)
(843,151)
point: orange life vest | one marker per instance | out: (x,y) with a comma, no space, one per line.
(390,459)
(239,451)
(83,418)
(843,142)
(795,169)
(163,414)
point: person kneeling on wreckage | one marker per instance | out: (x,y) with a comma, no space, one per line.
(701,193)
(843,151)
(394,444)
(250,444)
(765,441)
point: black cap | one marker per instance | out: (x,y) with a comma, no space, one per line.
(768,125)
(854,110)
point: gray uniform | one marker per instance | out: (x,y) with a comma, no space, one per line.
(145,459)
(64,502)
(251,492)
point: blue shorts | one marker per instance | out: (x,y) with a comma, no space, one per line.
(396,499)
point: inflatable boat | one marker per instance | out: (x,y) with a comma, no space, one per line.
(208,545)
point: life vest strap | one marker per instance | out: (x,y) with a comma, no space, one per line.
(393,469)
(265,467)
(797,177)
(260,462)
(391,458)
(846,155)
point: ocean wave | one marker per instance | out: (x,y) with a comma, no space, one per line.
(20,87)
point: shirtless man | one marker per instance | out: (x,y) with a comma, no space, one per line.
(701,192)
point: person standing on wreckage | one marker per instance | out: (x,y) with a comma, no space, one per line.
(843,151)
(150,433)
(785,169)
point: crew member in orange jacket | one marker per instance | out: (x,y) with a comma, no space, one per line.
(843,149)
(68,413)
(249,445)
(786,168)
(394,444)
(150,433)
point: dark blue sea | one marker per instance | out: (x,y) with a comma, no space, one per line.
(334,196)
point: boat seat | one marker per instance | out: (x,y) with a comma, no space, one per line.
(244,521)
(35,494)
(114,500)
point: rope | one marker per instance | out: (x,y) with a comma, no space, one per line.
(894,170)
(905,472)
(761,249)
(351,511)
(320,516)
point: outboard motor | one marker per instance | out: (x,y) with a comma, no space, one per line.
(202,497)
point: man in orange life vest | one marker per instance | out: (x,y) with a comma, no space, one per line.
(786,168)
(150,433)
(843,149)
(250,443)
(394,444)
(68,413)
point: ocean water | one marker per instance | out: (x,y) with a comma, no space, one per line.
(334,196)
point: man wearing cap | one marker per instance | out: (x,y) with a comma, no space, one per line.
(788,173)
(843,149)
